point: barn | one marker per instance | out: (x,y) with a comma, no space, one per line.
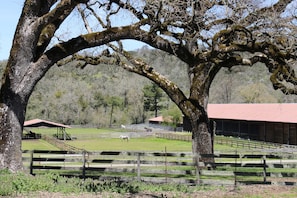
(275,123)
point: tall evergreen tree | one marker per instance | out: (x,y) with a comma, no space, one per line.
(153,95)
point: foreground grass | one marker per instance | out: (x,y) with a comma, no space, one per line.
(52,185)
(20,183)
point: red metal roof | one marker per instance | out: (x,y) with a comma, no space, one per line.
(43,123)
(157,119)
(285,112)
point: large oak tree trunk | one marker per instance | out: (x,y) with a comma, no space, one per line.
(202,127)
(202,135)
(202,140)
(12,115)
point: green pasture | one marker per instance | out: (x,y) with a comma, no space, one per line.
(115,144)
(94,139)
(37,145)
(134,144)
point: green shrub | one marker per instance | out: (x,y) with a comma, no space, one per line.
(6,188)
(21,183)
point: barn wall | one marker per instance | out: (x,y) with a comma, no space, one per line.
(269,132)
(286,137)
(293,134)
(283,133)
(278,132)
(262,132)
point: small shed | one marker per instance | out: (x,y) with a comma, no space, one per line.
(164,123)
(156,120)
(61,128)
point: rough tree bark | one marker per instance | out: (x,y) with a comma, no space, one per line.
(25,67)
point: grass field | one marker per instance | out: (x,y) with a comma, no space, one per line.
(93,139)
(37,145)
(137,144)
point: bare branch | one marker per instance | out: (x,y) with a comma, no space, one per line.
(83,60)
(51,21)
(84,18)
(129,7)
(277,8)
(142,68)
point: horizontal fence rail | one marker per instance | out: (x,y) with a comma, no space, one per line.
(163,167)
(231,141)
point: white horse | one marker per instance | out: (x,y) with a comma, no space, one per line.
(124,137)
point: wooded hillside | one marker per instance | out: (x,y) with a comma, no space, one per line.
(102,95)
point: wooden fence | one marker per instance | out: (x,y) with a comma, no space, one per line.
(60,144)
(229,141)
(163,167)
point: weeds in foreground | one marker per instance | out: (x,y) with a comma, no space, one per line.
(21,183)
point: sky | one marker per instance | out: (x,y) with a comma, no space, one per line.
(10,12)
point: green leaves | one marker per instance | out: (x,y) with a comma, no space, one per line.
(153,96)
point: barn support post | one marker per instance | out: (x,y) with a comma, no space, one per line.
(295,134)
(264,132)
(64,134)
(223,129)
(288,135)
(239,130)
(283,140)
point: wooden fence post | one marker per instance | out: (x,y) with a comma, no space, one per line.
(138,166)
(196,157)
(84,164)
(31,162)
(166,176)
(264,169)
(235,170)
